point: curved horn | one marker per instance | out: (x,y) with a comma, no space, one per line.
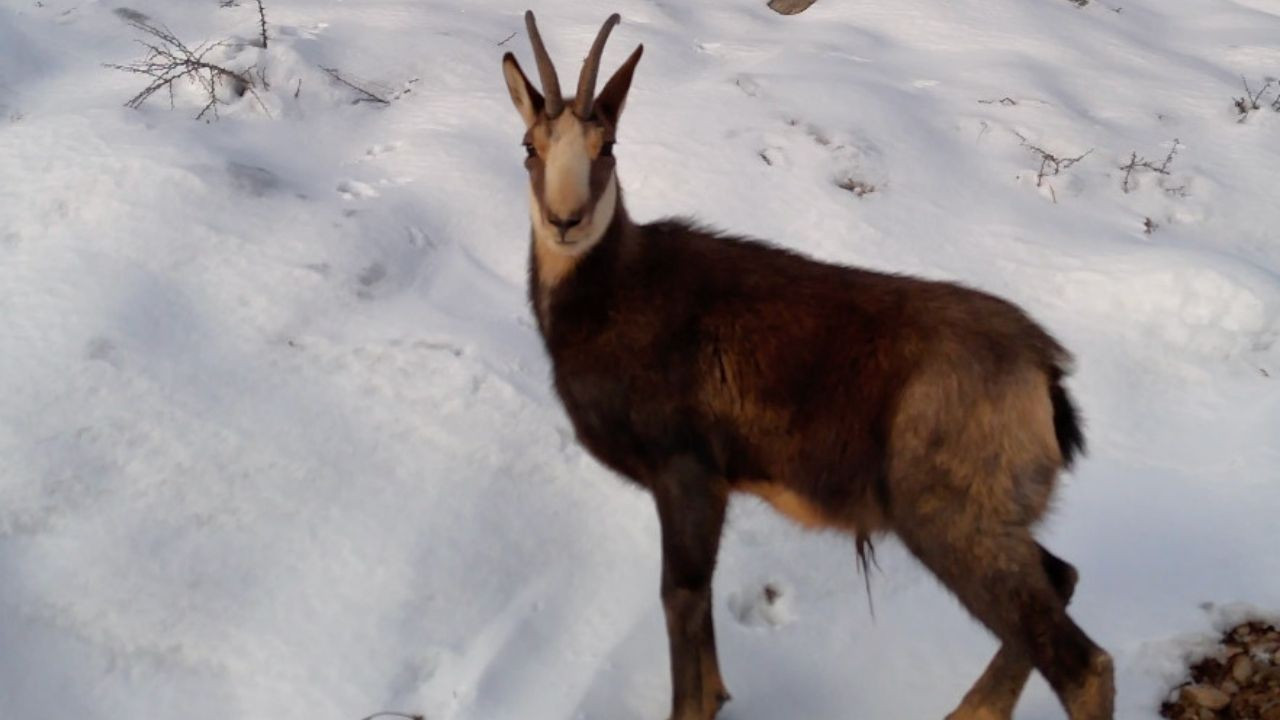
(547,71)
(590,68)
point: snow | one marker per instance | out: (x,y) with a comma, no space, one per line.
(277,431)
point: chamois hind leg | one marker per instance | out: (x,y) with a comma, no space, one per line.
(997,572)
(691,507)
(995,694)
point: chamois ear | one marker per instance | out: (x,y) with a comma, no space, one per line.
(523,95)
(614,95)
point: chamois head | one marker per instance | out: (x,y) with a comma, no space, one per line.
(572,186)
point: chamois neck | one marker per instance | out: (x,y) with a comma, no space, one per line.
(551,264)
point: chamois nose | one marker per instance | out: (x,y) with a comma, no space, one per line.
(565,224)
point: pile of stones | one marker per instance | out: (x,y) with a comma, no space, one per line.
(1241,681)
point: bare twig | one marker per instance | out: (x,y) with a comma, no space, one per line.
(1141,163)
(169,60)
(1252,101)
(506,39)
(365,95)
(1006,101)
(262,23)
(1051,164)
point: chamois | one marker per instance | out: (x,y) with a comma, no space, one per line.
(699,364)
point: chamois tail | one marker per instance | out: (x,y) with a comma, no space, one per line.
(1067,426)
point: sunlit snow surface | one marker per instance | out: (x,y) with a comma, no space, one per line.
(277,440)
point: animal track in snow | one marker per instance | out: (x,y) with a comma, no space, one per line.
(356,190)
(369,278)
(382,149)
(305,33)
(854,162)
(735,50)
(103,350)
(768,605)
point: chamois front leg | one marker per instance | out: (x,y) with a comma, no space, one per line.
(691,505)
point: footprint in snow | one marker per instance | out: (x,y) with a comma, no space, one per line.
(381,149)
(419,238)
(103,350)
(130,15)
(766,606)
(305,33)
(251,179)
(356,190)
(369,279)
(855,162)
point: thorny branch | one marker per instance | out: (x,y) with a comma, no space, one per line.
(1141,163)
(262,23)
(169,60)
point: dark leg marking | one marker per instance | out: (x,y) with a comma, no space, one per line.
(691,507)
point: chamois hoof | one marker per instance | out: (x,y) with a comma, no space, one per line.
(721,697)
(979,713)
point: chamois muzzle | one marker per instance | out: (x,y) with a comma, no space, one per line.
(564,224)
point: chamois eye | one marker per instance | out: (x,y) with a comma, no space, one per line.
(606,150)
(529,150)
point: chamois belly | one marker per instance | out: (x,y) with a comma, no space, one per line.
(637,423)
(793,505)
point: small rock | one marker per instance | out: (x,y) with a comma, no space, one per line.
(1242,668)
(1206,696)
(1229,687)
(790,7)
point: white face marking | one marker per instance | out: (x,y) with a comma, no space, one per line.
(567,168)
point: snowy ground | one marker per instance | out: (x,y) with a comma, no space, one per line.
(277,439)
